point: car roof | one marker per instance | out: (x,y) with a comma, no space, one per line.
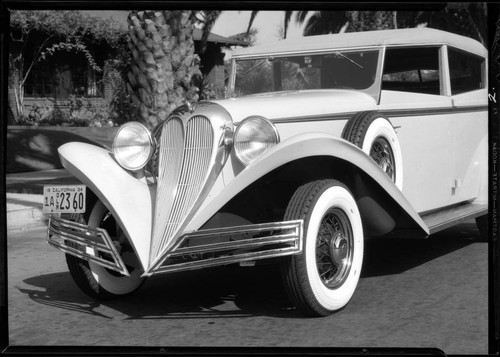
(413,36)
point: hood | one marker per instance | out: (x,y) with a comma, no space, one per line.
(294,104)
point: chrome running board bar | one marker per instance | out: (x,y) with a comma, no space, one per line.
(91,244)
(221,246)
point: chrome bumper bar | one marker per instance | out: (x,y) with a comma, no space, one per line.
(196,250)
(221,246)
(91,244)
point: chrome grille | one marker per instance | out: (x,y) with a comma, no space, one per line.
(183,163)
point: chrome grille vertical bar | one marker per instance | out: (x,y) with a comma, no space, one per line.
(180,184)
(169,168)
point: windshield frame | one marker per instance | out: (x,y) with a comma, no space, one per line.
(373,90)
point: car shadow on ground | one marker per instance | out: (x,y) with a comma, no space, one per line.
(233,291)
(222,292)
(397,255)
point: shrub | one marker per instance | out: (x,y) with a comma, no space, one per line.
(38,113)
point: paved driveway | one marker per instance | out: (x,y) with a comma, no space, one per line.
(412,293)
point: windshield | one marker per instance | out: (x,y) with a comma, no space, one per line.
(339,69)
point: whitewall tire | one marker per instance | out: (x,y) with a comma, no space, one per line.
(95,280)
(323,278)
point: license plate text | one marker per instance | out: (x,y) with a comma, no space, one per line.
(64,199)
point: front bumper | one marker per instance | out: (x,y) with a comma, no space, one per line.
(91,244)
(195,250)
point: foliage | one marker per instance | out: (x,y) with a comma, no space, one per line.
(288,16)
(206,88)
(80,111)
(37,113)
(322,22)
(250,37)
(71,47)
(467,19)
(66,23)
(121,108)
(37,34)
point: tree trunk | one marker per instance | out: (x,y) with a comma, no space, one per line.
(15,97)
(163,63)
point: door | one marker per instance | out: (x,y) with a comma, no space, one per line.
(470,103)
(413,95)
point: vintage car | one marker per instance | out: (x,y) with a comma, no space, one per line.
(321,143)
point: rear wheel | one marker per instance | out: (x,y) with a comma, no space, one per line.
(373,133)
(95,280)
(323,277)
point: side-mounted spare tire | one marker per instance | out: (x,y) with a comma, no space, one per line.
(373,133)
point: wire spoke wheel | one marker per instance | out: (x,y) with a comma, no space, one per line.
(334,250)
(323,277)
(382,154)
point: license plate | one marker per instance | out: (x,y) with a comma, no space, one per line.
(64,199)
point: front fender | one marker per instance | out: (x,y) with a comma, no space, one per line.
(299,147)
(130,200)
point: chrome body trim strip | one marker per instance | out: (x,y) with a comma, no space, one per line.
(88,243)
(231,245)
(434,111)
(390,113)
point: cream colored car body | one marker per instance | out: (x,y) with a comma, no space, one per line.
(443,142)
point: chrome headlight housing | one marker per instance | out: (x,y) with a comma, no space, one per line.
(253,137)
(133,146)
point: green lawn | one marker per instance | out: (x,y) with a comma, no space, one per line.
(35,148)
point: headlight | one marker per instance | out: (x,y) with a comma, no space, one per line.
(253,136)
(133,146)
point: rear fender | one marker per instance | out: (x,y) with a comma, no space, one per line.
(476,174)
(129,199)
(309,145)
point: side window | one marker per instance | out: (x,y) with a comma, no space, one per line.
(412,70)
(466,71)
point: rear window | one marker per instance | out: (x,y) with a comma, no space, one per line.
(466,71)
(412,70)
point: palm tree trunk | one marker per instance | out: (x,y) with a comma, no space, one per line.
(163,63)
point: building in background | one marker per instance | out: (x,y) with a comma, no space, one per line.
(64,75)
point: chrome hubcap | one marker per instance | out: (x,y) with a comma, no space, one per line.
(338,248)
(382,154)
(334,248)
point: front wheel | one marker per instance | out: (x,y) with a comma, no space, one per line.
(95,280)
(323,277)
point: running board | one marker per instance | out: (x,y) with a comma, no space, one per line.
(442,219)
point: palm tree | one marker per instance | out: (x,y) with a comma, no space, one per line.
(164,60)
(288,17)
(324,22)
(468,19)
